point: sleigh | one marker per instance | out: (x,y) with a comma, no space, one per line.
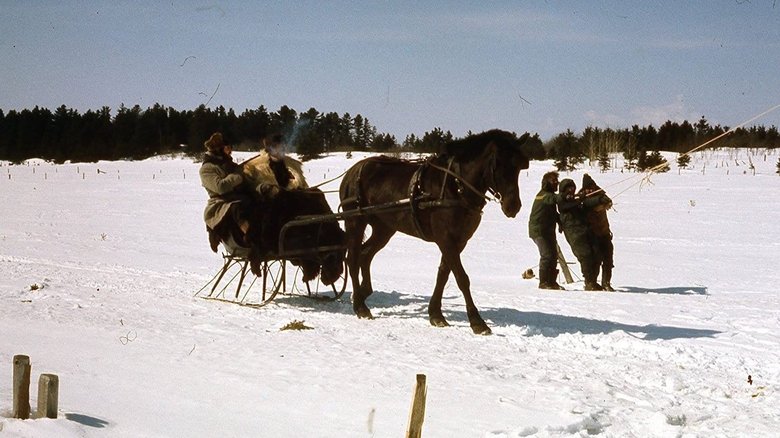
(299,249)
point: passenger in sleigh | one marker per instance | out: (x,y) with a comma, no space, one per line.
(249,203)
(242,197)
(277,179)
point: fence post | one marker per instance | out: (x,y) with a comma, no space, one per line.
(48,393)
(417,414)
(21,387)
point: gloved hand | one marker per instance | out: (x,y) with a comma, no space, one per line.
(268,191)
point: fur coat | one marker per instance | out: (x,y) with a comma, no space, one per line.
(266,169)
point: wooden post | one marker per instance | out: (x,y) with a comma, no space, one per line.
(48,393)
(417,414)
(21,389)
(564,266)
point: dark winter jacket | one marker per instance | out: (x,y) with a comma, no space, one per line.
(573,215)
(219,176)
(596,214)
(544,215)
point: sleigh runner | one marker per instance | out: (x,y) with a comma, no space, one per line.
(270,277)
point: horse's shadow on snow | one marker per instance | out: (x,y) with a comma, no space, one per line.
(552,325)
(678,290)
(402,305)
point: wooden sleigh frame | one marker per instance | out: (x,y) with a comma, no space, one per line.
(231,282)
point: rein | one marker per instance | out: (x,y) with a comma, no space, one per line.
(496,196)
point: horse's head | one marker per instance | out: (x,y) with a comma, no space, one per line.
(506,160)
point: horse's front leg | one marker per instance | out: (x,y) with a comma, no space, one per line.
(434,306)
(452,258)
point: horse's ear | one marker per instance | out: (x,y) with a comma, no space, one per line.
(523,139)
(521,148)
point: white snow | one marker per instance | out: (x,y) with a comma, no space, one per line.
(117,257)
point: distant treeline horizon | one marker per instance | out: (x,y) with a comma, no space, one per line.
(135,133)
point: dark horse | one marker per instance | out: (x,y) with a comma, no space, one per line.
(439,200)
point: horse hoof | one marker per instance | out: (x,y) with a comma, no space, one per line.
(483,330)
(439,322)
(364,313)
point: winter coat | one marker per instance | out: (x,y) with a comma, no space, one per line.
(574,221)
(286,173)
(544,215)
(597,212)
(218,175)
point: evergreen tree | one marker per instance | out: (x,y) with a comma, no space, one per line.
(683,160)
(431,142)
(411,143)
(363,133)
(604,163)
(566,150)
(657,162)
(641,161)
(383,143)
(284,122)
(562,164)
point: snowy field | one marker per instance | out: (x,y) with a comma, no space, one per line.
(100,262)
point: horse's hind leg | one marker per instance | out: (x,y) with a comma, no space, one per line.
(354,238)
(434,306)
(380,235)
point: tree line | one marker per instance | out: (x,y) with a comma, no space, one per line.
(136,133)
(642,146)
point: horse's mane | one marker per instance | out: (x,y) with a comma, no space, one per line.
(471,146)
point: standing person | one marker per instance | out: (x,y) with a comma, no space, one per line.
(599,225)
(227,208)
(575,227)
(541,228)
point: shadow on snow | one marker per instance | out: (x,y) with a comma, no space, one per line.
(680,290)
(552,325)
(86,420)
(400,305)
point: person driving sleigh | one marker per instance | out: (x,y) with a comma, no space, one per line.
(228,207)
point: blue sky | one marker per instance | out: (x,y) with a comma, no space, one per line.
(408,66)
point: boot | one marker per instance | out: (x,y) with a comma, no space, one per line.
(554,279)
(543,280)
(592,285)
(547,280)
(590,280)
(606,278)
